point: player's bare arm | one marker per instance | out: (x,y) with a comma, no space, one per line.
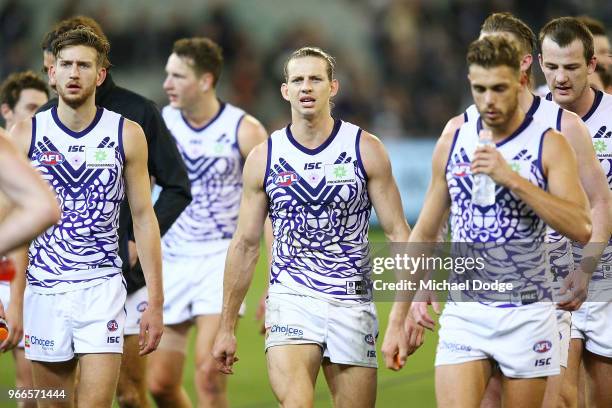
(435,206)
(591,175)
(33,206)
(146,232)
(564,207)
(386,200)
(242,255)
(250,133)
(14,314)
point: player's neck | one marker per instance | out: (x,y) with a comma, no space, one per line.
(77,119)
(201,112)
(525,98)
(312,132)
(582,105)
(502,132)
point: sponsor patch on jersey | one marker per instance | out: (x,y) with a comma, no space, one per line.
(338,174)
(217,149)
(50,158)
(100,157)
(286,178)
(542,346)
(461,170)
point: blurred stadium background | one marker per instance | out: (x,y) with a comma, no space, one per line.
(401,69)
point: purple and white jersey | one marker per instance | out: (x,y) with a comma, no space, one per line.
(547,113)
(510,221)
(599,121)
(214,165)
(320,209)
(85,169)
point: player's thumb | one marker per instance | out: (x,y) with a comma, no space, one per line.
(436,306)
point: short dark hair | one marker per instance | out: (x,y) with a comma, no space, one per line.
(207,55)
(494,51)
(312,52)
(11,88)
(83,35)
(507,23)
(565,30)
(70,24)
(595,26)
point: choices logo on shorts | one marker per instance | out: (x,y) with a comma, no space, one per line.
(112,325)
(542,346)
(45,344)
(287,331)
(455,347)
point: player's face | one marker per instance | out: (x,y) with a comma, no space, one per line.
(495,92)
(603,52)
(27,105)
(566,70)
(76,74)
(48,61)
(308,88)
(182,86)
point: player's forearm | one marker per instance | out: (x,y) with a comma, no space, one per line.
(148,245)
(18,284)
(241,260)
(566,217)
(601,217)
(21,224)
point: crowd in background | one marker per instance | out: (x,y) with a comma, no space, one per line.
(413,78)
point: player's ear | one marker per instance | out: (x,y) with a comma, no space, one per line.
(101,76)
(592,64)
(335,86)
(207,81)
(284,91)
(526,62)
(7,113)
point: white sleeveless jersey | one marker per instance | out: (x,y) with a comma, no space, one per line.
(320,208)
(214,165)
(599,121)
(85,169)
(521,260)
(550,114)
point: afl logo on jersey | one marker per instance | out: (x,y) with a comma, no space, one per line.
(50,158)
(461,170)
(286,178)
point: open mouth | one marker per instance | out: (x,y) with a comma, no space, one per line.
(307,101)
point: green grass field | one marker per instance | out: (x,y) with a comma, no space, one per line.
(249,387)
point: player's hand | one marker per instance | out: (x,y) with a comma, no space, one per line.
(395,346)
(151,329)
(488,160)
(415,335)
(260,313)
(574,290)
(2,315)
(132,253)
(14,321)
(419,311)
(224,351)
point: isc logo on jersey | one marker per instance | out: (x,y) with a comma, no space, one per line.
(50,158)
(286,178)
